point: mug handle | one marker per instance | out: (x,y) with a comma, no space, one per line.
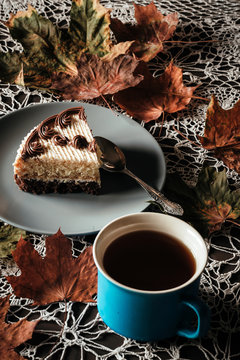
(203,318)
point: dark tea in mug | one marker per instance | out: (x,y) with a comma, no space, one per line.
(149,260)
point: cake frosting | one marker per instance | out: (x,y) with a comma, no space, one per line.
(59,155)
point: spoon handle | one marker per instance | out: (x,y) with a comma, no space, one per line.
(167,205)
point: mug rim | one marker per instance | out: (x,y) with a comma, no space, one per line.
(194,277)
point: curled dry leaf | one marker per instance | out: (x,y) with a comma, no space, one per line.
(13,335)
(222,133)
(53,54)
(97,77)
(207,205)
(165,93)
(56,277)
(148,34)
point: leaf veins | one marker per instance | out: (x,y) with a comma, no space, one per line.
(56,277)
(97,77)
(165,93)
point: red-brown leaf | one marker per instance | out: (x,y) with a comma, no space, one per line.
(56,277)
(151,30)
(153,96)
(12,335)
(222,133)
(97,77)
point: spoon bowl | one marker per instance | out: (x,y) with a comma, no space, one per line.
(113,159)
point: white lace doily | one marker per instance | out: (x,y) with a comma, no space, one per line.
(215,66)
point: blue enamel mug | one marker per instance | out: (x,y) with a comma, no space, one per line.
(146,315)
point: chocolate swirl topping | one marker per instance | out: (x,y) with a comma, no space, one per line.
(32,147)
(45,130)
(79,142)
(64,118)
(60,140)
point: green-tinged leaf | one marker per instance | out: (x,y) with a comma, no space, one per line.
(9,236)
(45,49)
(51,54)
(207,205)
(89,26)
(11,67)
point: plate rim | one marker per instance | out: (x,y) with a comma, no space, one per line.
(34,229)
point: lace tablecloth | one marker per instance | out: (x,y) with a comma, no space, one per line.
(213,65)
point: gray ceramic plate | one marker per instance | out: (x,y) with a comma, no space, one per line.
(79,213)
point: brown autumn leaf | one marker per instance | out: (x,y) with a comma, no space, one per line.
(97,77)
(56,277)
(153,96)
(12,335)
(222,133)
(148,34)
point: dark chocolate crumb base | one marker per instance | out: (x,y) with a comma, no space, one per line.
(42,187)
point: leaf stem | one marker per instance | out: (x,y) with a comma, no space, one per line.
(191,42)
(108,105)
(200,98)
(225,147)
(185,137)
(184,96)
(162,122)
(233,222)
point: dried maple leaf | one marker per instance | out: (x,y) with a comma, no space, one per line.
(222,133)
(12,335)
(45,48)
(56,277)
(11,67)
(89,26)
(151,30)
(153,96)
(9,236)
(97,77)
(49,51)
(207,205)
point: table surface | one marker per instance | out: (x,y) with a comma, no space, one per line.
(213,65)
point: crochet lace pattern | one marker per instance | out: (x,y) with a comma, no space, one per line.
(214,66)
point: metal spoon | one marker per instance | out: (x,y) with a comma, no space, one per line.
(112,159)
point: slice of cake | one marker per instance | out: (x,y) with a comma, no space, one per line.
(59,155)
